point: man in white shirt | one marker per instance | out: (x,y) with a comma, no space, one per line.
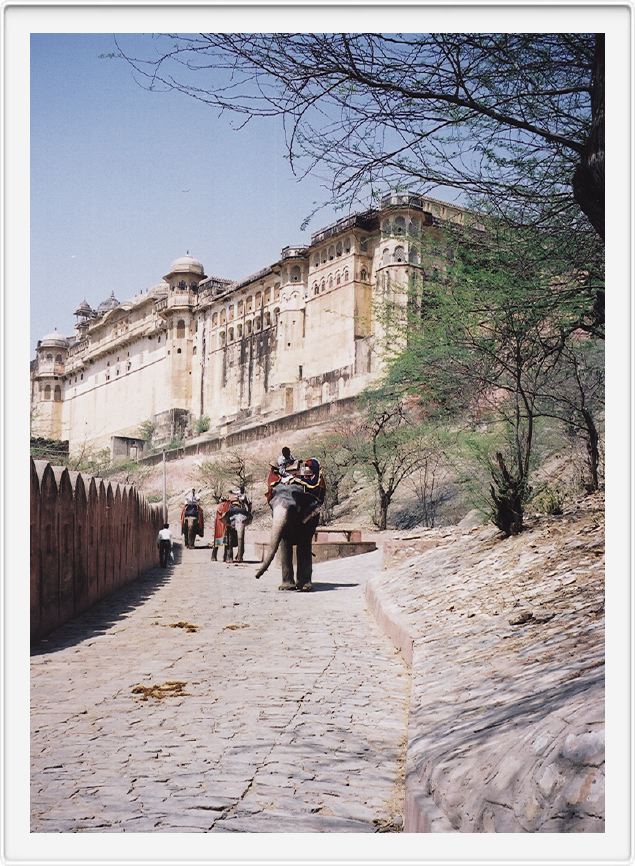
(164,543)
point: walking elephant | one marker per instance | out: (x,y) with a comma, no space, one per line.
(237,520)
(192,523)
(295,507)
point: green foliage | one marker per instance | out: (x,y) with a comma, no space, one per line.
(154,497)
(202,424)
(549,500)
(147,430)
(175,443)
(232,470)
(336,461)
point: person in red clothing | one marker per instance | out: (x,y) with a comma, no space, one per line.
(219,525)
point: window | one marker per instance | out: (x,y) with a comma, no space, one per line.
(230,313)
(221,338)
(249,304)
(347,245)
(258,300)
(230,335)
(58,359)
(338,248)
(331,253)
(248,326)
(296,273)
(322,285)
(316,261)
(385,228)
(413,257)
(323,255)
(276,313)
(316,288)
(214,320)
(239,332)
(194,350)
(345,275)
(400,226)
(222,317)
(47,392)
(180,329)
(267,320)
(399,254)
(338,278)
(331,281)
(241,307)
(267,296)
(385,256)
(257,324)
(276,293)
(49,357)
(178,352)
(182,284)
(363,276)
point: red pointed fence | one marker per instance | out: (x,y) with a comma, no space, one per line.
(88,538)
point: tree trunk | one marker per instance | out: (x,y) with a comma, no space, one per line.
(588,178)
(593,451)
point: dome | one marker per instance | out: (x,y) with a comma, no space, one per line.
(110,303)
(187,265)
(54,339)
(84,309)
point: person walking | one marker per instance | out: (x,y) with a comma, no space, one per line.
(164,543)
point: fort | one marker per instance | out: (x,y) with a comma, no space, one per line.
(302,333)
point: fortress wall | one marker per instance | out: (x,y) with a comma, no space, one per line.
(88,538)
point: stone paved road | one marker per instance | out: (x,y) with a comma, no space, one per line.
(293,719)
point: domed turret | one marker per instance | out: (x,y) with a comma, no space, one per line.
(185,272)
(54,339)
(110,303)
(84,310)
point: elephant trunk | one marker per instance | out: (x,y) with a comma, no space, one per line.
(279,523)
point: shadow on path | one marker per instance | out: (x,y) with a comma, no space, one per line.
(109,610)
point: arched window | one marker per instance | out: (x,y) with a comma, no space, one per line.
(296,273)
(347,245)
(258,300)
(194,350)
(276,293)
(230,313)
(241,307)
(413,227)
(49,357)
(385,256)
(316,288)
(413,257)
(58,359)
(230,335)
(239,332)
(338,248)
(257,324)
(47,392)
(324,256)
(193,286)
(248,326)
(331,253)
(322,285)
(221,338)
(363,276)
(331,281)
(338,278)
(182,284)
(249,305)
(385,228)
(267,320)
(57,395)
(400,225)
(180,329)
(266,299)
(316,261)
(214,320)
(399,254)
(345,275)
(276,313)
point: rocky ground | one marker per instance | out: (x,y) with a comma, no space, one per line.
(506,644)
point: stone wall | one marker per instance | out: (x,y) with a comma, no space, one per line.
(88,538)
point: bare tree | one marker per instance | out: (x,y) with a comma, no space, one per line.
(517,119)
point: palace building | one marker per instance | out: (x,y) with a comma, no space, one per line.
(304,331)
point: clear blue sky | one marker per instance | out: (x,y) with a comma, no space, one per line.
(123,181)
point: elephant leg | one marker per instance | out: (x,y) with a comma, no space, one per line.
(191,531)
(215,552)
(241,542)
(305,556)
(286,558)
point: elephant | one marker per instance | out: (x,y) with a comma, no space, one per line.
(192,523)
(295,508)
(237,520)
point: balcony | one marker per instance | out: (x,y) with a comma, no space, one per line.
(402,200)
(367,220)
(294,252)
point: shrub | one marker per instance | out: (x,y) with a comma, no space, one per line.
(202,424)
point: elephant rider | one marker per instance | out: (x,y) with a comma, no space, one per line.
(164,543)
(308,474)
(285,460)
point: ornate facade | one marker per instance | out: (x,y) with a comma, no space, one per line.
(299,333)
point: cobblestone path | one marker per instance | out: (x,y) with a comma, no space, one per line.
(292,715)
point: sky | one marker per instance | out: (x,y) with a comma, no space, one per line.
(124,180)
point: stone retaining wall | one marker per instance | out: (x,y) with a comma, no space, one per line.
(505,639)
(88,538)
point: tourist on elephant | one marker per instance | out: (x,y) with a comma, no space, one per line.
(164,543)
(285,460)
